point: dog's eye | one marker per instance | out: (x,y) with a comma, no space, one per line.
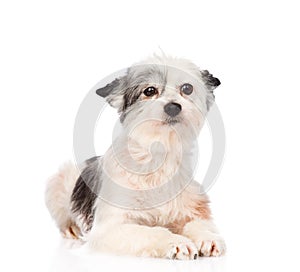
(187,88)
(150,91)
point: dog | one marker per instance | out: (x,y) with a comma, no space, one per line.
(140,198)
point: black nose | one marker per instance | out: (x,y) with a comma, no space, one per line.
(172,109)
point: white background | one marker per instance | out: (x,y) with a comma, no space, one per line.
(54,52)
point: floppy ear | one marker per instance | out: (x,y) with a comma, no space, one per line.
(113,92)
(211,83)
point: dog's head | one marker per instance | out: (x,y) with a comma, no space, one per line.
(162,92)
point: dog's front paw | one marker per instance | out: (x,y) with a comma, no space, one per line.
(212,247)
(182,250)
(206,238)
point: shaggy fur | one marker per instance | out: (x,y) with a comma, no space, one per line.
(140,198)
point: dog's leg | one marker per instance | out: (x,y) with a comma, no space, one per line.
(58,194)
(205,236)
(139,240)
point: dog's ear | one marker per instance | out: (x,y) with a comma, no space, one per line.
(211,83)
(113,92)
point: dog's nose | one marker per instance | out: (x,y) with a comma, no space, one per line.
(172,109)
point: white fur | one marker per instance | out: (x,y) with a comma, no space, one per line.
(205,236)
(58,194)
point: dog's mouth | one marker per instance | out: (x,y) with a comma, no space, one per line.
(171,121)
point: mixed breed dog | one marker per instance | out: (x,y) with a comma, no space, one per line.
(162,103)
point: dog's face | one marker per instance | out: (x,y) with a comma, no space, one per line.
(162,94)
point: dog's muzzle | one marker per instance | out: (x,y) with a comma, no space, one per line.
(172,109)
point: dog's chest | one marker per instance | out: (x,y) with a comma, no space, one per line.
(172,215)
(145,177)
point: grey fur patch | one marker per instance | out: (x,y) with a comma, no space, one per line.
(129,88)
(109,89)
(113,92)
(210,81)
(210,98)
(85,192)
(138,77)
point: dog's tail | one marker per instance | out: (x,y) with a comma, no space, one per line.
(58,199)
